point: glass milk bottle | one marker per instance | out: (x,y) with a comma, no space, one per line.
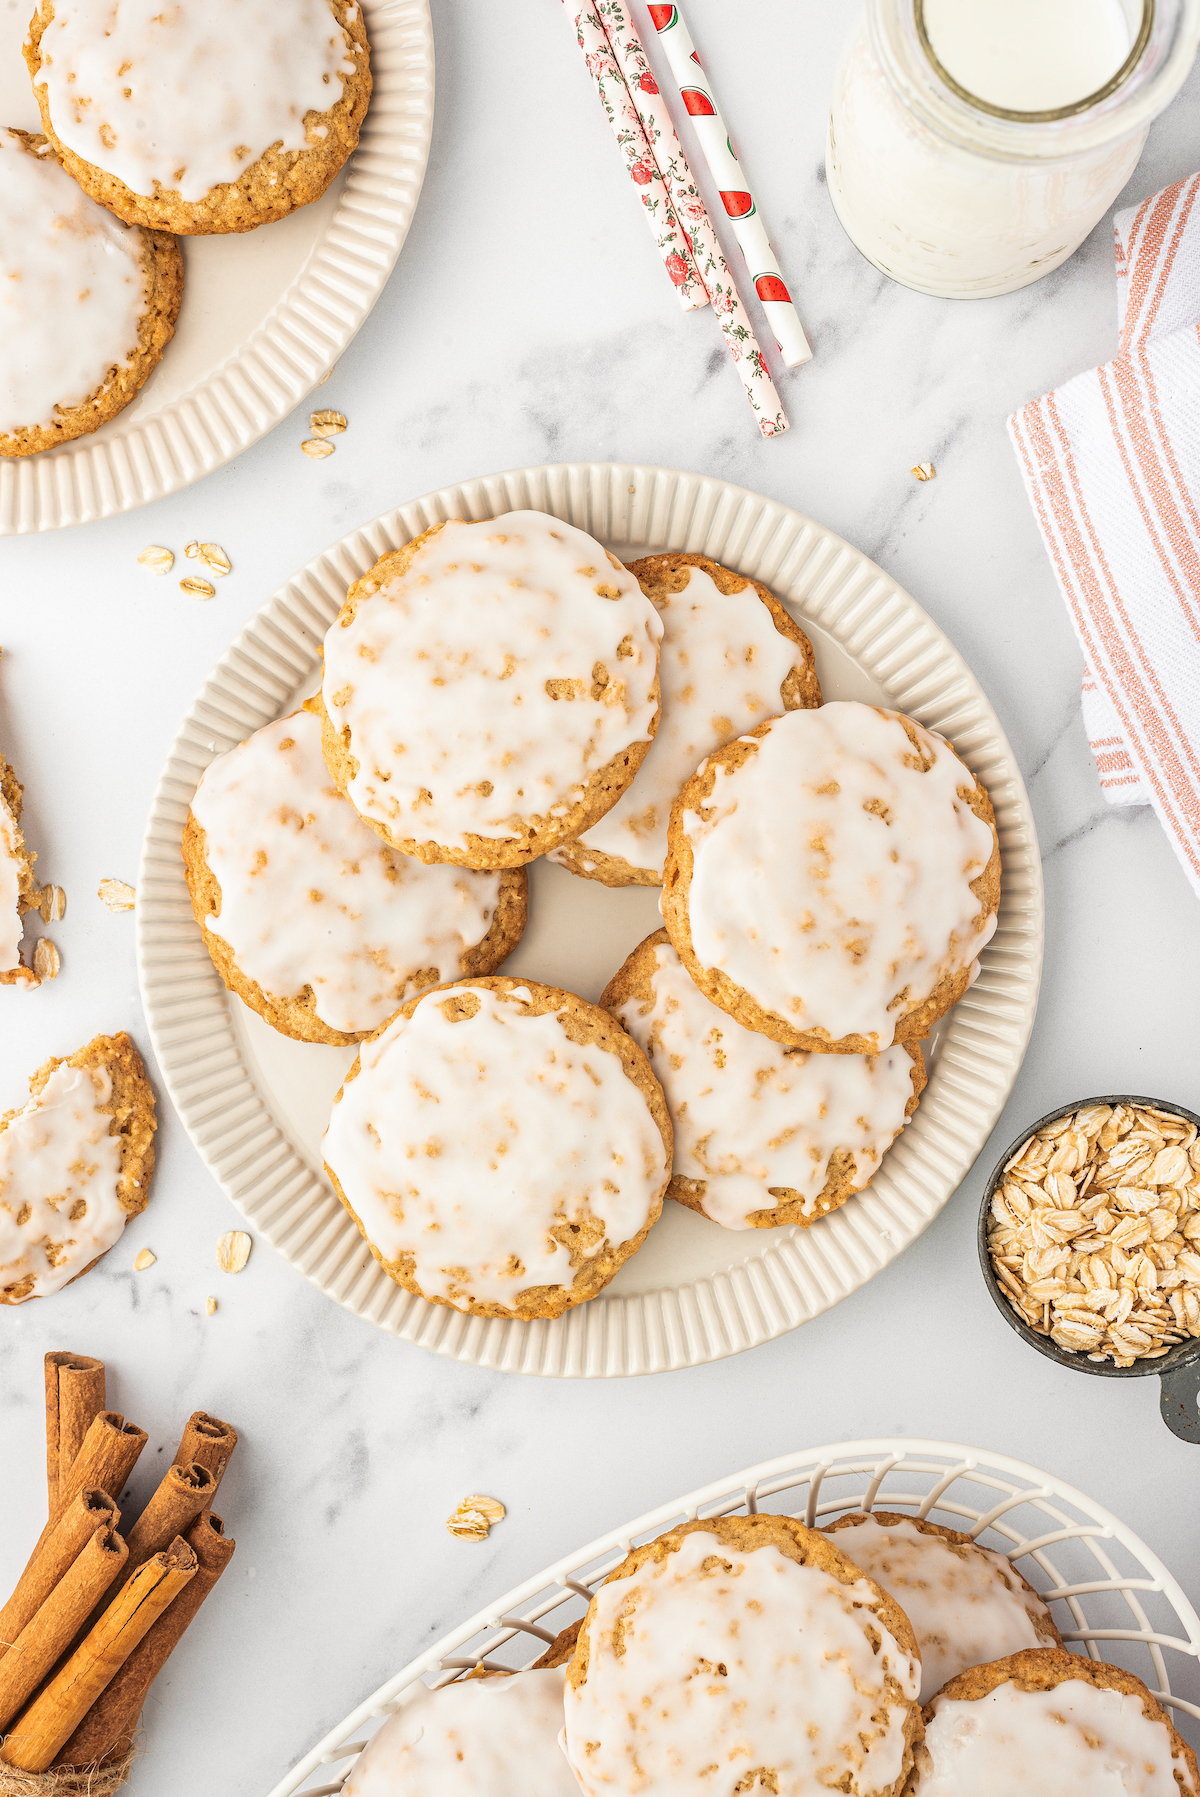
(973,144)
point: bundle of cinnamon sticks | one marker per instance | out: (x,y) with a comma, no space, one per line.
(101,1603)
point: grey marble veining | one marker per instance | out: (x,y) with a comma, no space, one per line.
(528,319)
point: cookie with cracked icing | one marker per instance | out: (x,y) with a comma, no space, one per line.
(309,918)
(832,877)
(764,1135)
(503,1146)
(201,118)
(490,1734)
(1043,1722)
(966,1602)
(726,663)
(490,690)
(87,304)
(742,1653)
(75,1165)
(18,884)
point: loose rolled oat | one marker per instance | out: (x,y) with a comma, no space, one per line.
(118,895)
(47,962)
(474,1518)
(157,559)
(317,446)
(327,424)
(196,588)
(1094,1233)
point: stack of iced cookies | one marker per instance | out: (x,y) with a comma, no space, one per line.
(502,691)
(751,1654)
(158,122)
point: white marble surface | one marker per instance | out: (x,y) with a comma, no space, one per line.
(528,320)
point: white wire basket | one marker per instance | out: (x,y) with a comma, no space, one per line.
(1110,1596)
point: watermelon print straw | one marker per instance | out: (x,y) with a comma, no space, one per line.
(693,216)
(713,133)
(639,160)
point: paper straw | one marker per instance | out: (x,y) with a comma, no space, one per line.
(693,217)
(713,133)
(644,172)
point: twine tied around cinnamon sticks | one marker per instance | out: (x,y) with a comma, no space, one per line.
(77,1661)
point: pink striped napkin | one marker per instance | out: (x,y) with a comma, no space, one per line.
(1111,461)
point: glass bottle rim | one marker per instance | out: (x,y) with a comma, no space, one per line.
(1046,115)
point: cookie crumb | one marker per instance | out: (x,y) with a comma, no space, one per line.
(157,559)
(118,895)
(924,470)
(474,1517)
(317,446)
(144,1259)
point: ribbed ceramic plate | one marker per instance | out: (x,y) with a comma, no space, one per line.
(1110,1596)
(265,314)
(255,1104)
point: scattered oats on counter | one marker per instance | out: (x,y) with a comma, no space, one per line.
(144,1259)
(317,446)
(474,1518)
(924,470)
(233,1250)
(47,962)
(210,1305)
(52,904)
(212,555)
(1095,1232)
(118,895)
(157,559)
(327,424)
(196,588)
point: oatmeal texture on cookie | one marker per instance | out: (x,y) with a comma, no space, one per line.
(832,878)
(75,1165)
(489,1736)
(490,689)
(965,1602)
(737,1655)
(764,1135)
(503,1147)
(731,656)
(300,901)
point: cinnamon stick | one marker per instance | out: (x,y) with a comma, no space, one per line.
(51,1630)
(106,1732)
(107,1456)
(207,1442)
(60,1707)
(182,1494)
(87,1512)
(74,1396)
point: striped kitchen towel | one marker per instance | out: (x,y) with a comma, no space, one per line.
(1111,461)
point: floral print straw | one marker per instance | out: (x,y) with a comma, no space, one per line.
(643,170)
(684,233)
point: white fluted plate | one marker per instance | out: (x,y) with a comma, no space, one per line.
(265,313)
(255,1104)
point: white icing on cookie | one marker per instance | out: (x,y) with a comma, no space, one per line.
(731,1661)
(830,873)
(722,665)
(189,93)
(12,864)
(472,682)
(72,289)
(750,1115)
(485,1737)
(58,1182)
(465,1143)
(311,896)
(1075,1738)
(966,1604)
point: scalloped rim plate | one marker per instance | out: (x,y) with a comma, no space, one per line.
(735,1290)
(148,451)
